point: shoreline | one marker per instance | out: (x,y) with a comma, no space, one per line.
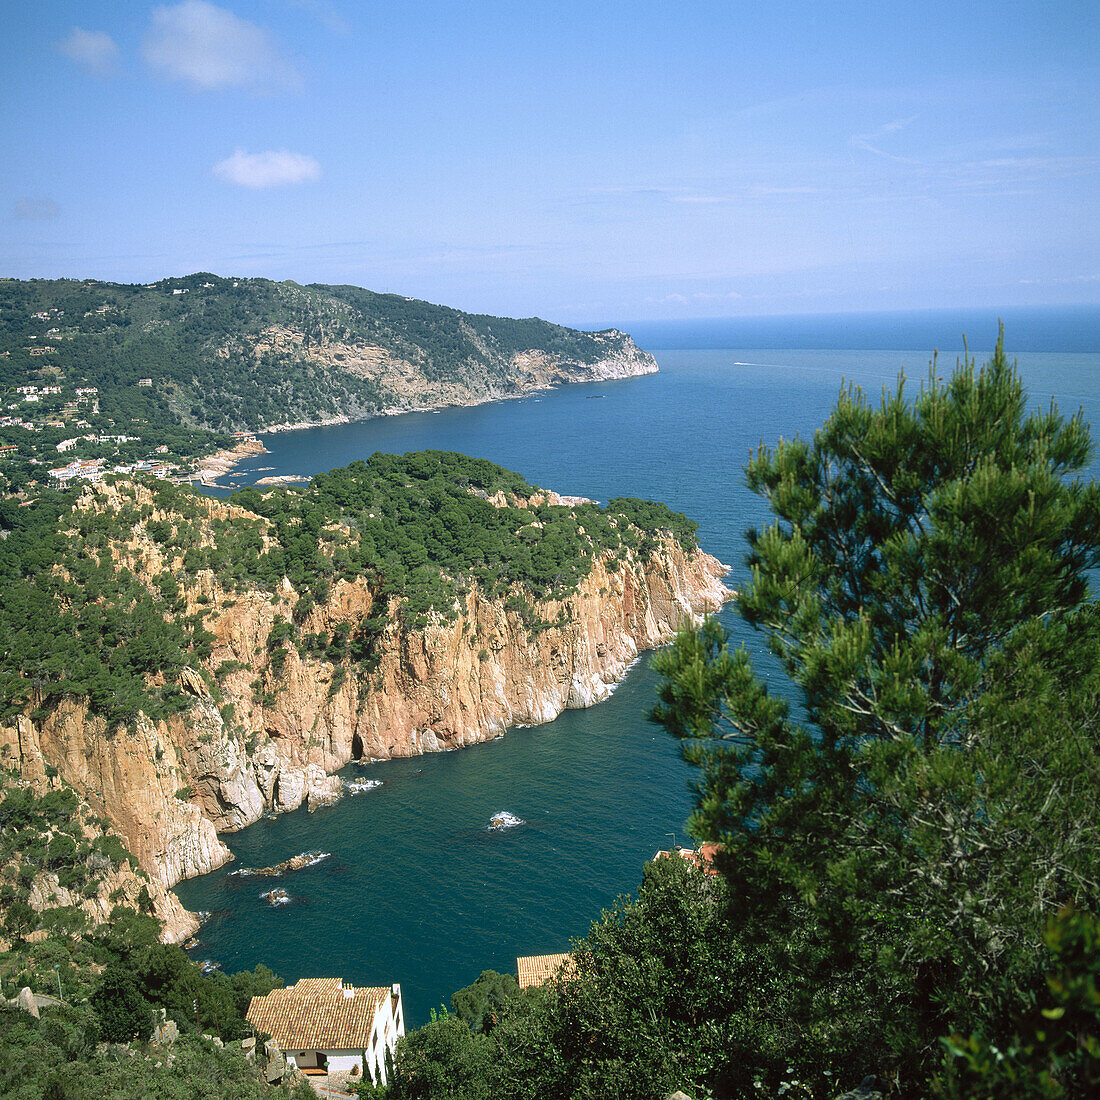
(220,463)
(224,466)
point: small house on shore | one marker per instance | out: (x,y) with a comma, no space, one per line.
(322,1025)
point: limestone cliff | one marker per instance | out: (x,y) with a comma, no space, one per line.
(266,725)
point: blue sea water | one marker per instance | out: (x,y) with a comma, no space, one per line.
(417,888)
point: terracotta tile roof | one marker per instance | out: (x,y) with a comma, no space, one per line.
(703,857)
(318,1014)
(536,969)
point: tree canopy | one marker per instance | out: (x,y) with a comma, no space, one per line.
(925,586)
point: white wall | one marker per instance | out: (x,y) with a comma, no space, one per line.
(341,1060)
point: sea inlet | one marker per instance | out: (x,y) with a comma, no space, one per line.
(417,887)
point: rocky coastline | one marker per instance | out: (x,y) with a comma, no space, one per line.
(273,737)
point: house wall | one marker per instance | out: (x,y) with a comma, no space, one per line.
(338,1060)
(389,1026)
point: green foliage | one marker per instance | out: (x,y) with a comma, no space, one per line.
(478,1005)
(1054,1051)
(204,342)
(443,1060)
(122,1012)
(422,525)
(55,1058)
(924,587)
(662,994)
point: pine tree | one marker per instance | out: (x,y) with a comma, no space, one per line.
(927,557)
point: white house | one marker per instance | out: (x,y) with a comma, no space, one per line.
(321,1024)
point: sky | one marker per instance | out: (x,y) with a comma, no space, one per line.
(581,161)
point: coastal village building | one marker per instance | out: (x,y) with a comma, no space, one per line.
(536,969)
(701,857)
(322,1025)
(80,470)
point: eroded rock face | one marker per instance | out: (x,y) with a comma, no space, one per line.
(406,386)
(138,778)
(272,739)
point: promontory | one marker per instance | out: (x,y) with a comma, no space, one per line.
(185,664)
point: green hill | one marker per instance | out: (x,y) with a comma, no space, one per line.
(221,355)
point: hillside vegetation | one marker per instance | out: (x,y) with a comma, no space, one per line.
(115,981)
(186,360)
(82,616)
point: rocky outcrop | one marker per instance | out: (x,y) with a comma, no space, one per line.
(261,735)
(406,383)
(121,886)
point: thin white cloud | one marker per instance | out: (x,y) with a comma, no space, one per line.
(209,48)
(274,168)
(35,209)
(94,51)
(870,142)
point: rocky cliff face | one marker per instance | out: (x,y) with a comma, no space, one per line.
(410,382)
(279,729)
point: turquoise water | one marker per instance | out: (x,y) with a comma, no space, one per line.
(417,889)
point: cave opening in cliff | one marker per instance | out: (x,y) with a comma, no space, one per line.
(356,747)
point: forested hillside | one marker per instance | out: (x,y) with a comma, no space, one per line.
(79,617)
(200,354)
(106,983)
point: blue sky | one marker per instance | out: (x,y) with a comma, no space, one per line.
(587,162)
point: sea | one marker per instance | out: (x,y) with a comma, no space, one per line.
(416,885)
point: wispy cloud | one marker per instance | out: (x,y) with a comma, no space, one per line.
(209,48)
(35,209)
(274,168)
(94,51)
(698,296)
(871,142)
(689,196)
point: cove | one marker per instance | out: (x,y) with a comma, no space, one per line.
(417,889)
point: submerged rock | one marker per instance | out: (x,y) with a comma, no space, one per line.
(295,863)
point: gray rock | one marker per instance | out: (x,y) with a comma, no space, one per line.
(867,1090)
(276,1067)
(25,1000)
(166,1032)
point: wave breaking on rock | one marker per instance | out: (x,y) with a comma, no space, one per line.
(295,863)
